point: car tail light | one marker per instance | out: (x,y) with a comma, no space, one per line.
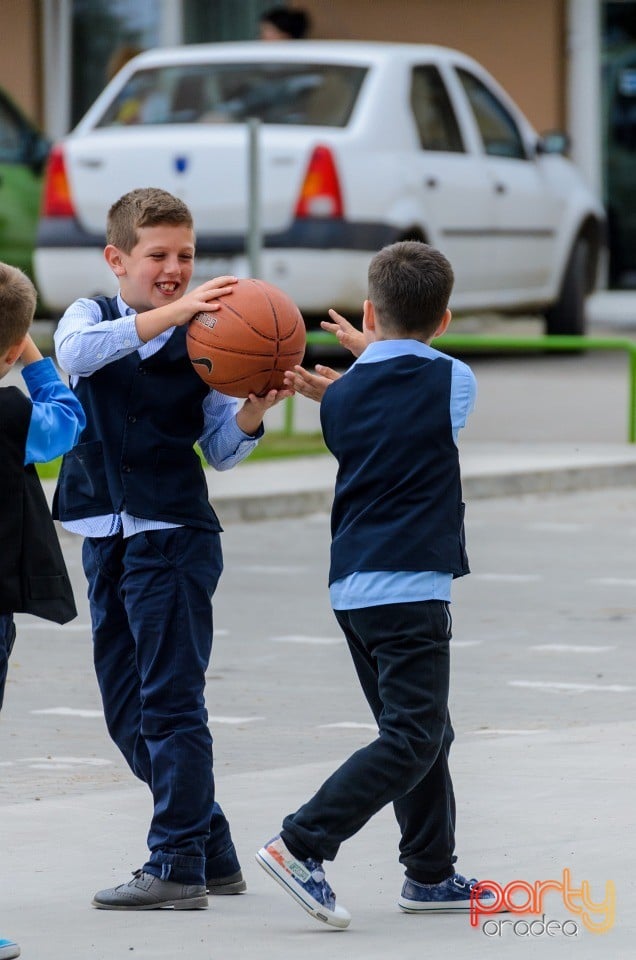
(56,195)
(320,194)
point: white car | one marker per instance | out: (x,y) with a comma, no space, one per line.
(359,145)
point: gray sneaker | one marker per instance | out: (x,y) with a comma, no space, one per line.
(224,886)
(147,892)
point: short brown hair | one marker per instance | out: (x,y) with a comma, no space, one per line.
(144,207)
(410,284)
(17,306)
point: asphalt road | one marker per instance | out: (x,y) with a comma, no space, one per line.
(542,701)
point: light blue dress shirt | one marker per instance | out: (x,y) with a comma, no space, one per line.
(84,342)
(375,588)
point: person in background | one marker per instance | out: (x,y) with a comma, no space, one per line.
(284,23)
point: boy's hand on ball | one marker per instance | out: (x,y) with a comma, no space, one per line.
(203,299)
(348,336)
(310,385)
(250,416)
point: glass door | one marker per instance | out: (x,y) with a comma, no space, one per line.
(619,136)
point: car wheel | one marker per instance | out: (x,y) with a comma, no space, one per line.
(567,315)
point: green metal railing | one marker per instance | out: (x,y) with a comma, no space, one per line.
(456,342)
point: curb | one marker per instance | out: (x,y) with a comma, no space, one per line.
(312,491)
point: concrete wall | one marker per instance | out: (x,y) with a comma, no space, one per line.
(521,42)
(20,63)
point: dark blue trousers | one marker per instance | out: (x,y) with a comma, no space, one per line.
(7,639)
(401,655)
(150,600)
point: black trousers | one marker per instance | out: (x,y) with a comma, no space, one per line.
(401,655)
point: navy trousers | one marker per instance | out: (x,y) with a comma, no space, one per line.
(7,639)
(150,601)
(401,655)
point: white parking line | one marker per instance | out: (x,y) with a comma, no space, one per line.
(55,627)
(570,648)
(504,733)
(348,725)
(233,720)
(69,712)
(317,641)
(558,687)
(57,763)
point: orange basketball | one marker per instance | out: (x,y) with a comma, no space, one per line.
(246,345)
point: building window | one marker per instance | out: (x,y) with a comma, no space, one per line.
(107,32)
(206,21)
(619,137)
(103,33)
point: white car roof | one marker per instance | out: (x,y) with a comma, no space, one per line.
(363,52)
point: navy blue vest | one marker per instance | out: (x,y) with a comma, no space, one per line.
(136,453)
(398,499)
(33,575)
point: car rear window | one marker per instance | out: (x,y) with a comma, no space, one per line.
(320,95)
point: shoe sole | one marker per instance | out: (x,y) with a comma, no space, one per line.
(433,907)
(226,889)
(311,906)
(193,903)
(459,906)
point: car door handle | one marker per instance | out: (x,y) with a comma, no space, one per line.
(431,182)
(92,163)
(501,188)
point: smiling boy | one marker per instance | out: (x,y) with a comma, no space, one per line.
(135,489)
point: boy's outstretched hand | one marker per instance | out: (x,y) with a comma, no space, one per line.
(250,416)
(348,336)
(311,385)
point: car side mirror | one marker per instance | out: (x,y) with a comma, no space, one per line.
(554,141)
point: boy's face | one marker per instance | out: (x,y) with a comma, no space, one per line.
(159,267)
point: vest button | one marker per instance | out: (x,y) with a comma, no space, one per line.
(126,469)
(132,419)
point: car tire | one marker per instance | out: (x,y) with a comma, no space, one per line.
(566,317)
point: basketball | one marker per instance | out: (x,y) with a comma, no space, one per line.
(247,344)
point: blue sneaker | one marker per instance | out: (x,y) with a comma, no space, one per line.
(8,949)
(450,895)
(304,880)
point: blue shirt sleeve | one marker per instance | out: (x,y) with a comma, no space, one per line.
(463,395)
(222,442)
(57,417)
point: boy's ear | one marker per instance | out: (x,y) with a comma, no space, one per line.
(368,316)
(443,325)
(113,258)
(14,353)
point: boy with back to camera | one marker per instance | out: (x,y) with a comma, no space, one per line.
(33,576)
(397,526)
(135,489)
